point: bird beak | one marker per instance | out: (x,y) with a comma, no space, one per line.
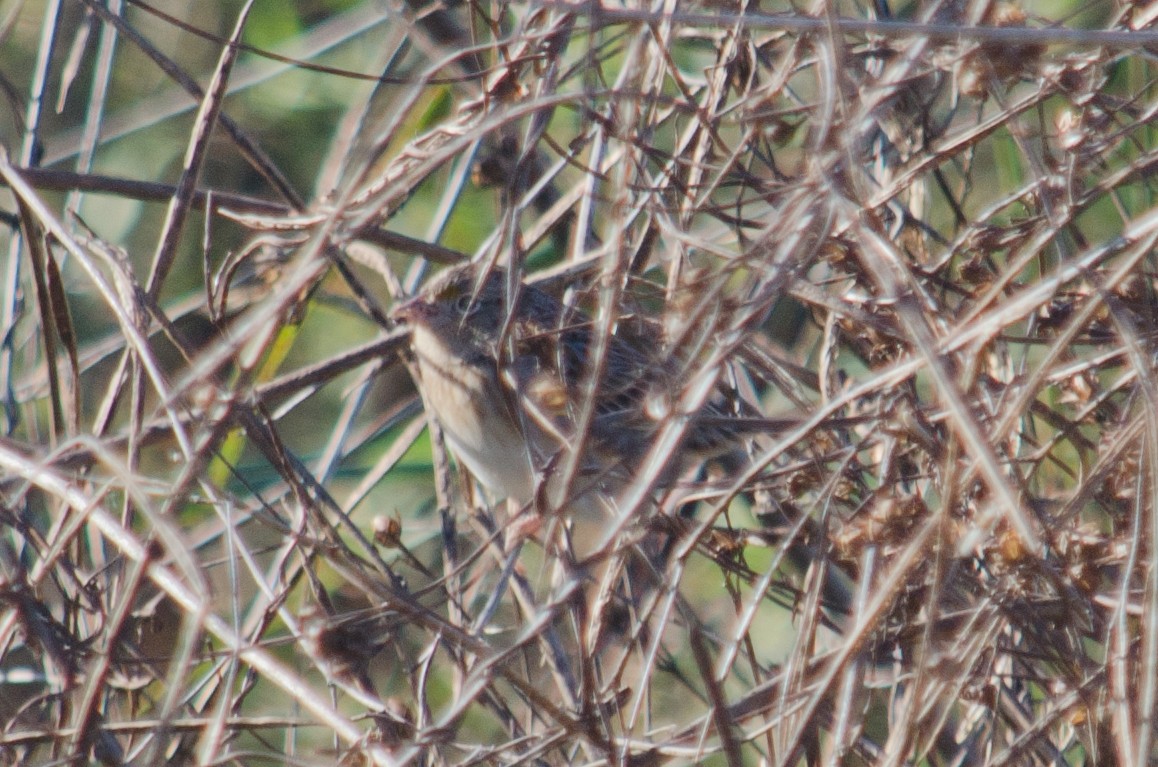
(410,311)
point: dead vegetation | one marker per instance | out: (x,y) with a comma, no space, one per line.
(228,535)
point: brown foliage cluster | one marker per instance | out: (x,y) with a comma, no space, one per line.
(916,248)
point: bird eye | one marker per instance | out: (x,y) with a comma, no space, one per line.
(463,303)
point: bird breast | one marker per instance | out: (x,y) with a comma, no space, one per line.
(467,400)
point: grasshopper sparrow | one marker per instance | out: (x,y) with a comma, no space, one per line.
(508,393)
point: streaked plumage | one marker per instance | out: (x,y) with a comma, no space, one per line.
(508,394)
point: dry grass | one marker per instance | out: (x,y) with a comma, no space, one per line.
(227,535)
